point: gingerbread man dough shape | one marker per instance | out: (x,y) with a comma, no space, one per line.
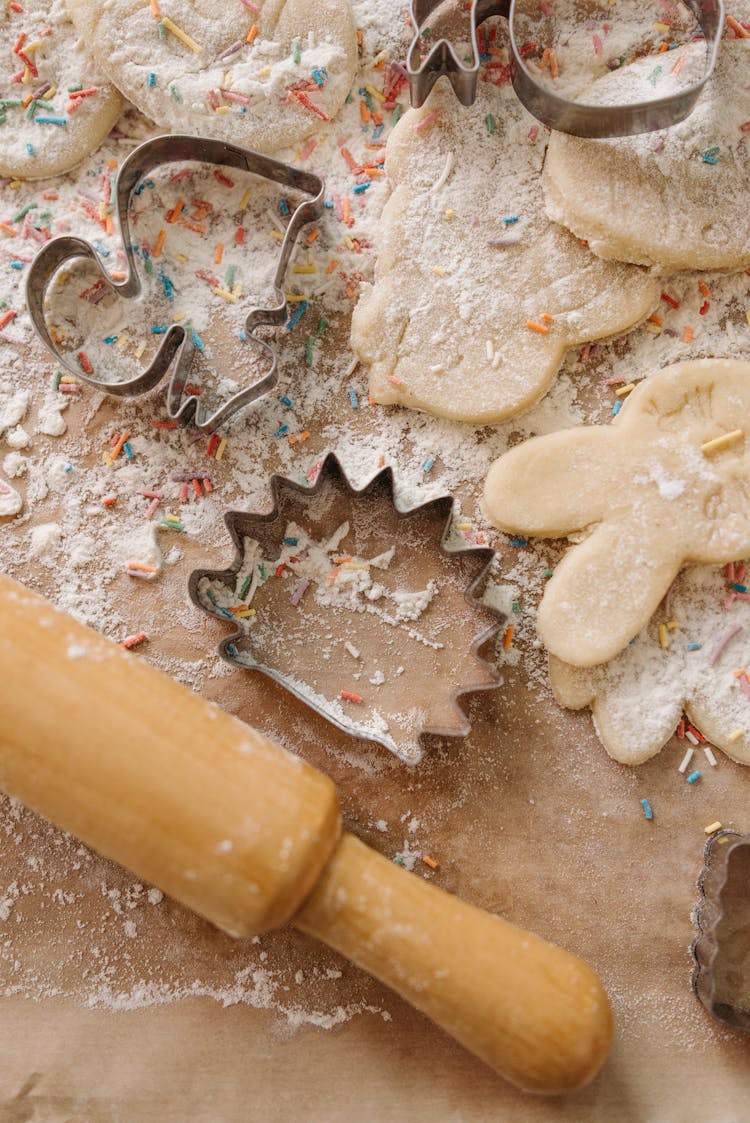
(477,295)
(666,484)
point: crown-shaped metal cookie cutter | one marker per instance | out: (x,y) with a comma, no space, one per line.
(307,645)
(543,103)
(721,977)
(177,348)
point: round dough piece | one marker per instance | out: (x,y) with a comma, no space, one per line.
(71,116)
(191,68)
(477,295)
(676,199)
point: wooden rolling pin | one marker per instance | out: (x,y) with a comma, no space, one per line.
(249,836)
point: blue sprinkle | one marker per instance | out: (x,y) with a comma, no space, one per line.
(427,465)
(361,188)
(329,204)
(111,338)
(705,159)
(693,777)
(16,265)
(152,80)
(510,220)
(617,407)
(281,431)
(64,121)
(68,468)
(287,401)
(694,646)
(291,541)
(197,341)
(318,77)
(232,650)
(284,207)
(297,315)
(225,612)
(127,450)
(30,149)
(159,329)
(377,132)
(243,336)
(740,588)
(353,398)
(647,809)
(168,289)
(519,542)
(102,249)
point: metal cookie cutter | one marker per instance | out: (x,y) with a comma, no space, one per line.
(339,631)
(548,107)
(177,346)
(721,977)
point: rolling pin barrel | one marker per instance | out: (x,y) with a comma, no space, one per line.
(151,775)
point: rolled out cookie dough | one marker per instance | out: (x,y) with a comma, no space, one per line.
(676,199)
(264,94)
(71,105)
(666,484)
(639,697)
(467,259)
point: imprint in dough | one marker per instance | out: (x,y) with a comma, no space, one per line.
(638,698)
(466,257)
(250,93)
(678,198)
(652,491)
(31,145)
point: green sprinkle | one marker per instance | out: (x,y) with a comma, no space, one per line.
(262,571)
(162,30)
(24,211)
(398,861)
(548,572)
(296,52)
(322,326)
(176,95)
(230,276)
(396,115)
(516,606)
(655,75)
(245,586)
(148,265)
(74,89)
(56,380)
(170,525)
(490,122)
(309,350)
(211,596)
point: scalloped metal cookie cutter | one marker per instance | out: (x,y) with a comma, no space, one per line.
(592,121)
(721,977)
(331,485)
(178,347)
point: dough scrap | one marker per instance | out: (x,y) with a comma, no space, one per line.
(676,199)
(187,90)
(30,147)
(648,494)
(639,697)
(443,328)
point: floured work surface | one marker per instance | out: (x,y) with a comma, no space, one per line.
(120,1005)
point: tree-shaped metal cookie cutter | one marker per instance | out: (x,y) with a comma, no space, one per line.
(177,348)
(376,677)
(543,103)
(721,950)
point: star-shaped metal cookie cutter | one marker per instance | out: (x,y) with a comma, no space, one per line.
(177,348)
(548,107)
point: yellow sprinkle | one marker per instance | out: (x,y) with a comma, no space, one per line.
(220,449)
(438,271)
(237,290)
(304,269)
(69,380)
(623,390)
(277,235)
(375,92)
(449,213)
(16,183)
(26,77)
(463,526)
(265,72)
(122,342)
(712,827)
(736,734)
(182,257)
(178,317)
(245,198)
(662,28)
(348,242)
(718,444)
(180,34)
(140,349)
(747,315)
(221,110)
(672,624)
(295,297)
(224,294)
(663,636)
(108,460)
(33,47)
(653,329)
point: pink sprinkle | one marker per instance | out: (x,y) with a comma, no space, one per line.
(730,572)
(308,148)
(232,95)
(614,382)
(713,659)
(730,601)
(597,44)
(395,381)
(299,592)
(744,685)
(184,493)
(251,7)
(545,8)
(152,508)
(425,123)
(151,494)
(742,596)
(533,133)
(740,572)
